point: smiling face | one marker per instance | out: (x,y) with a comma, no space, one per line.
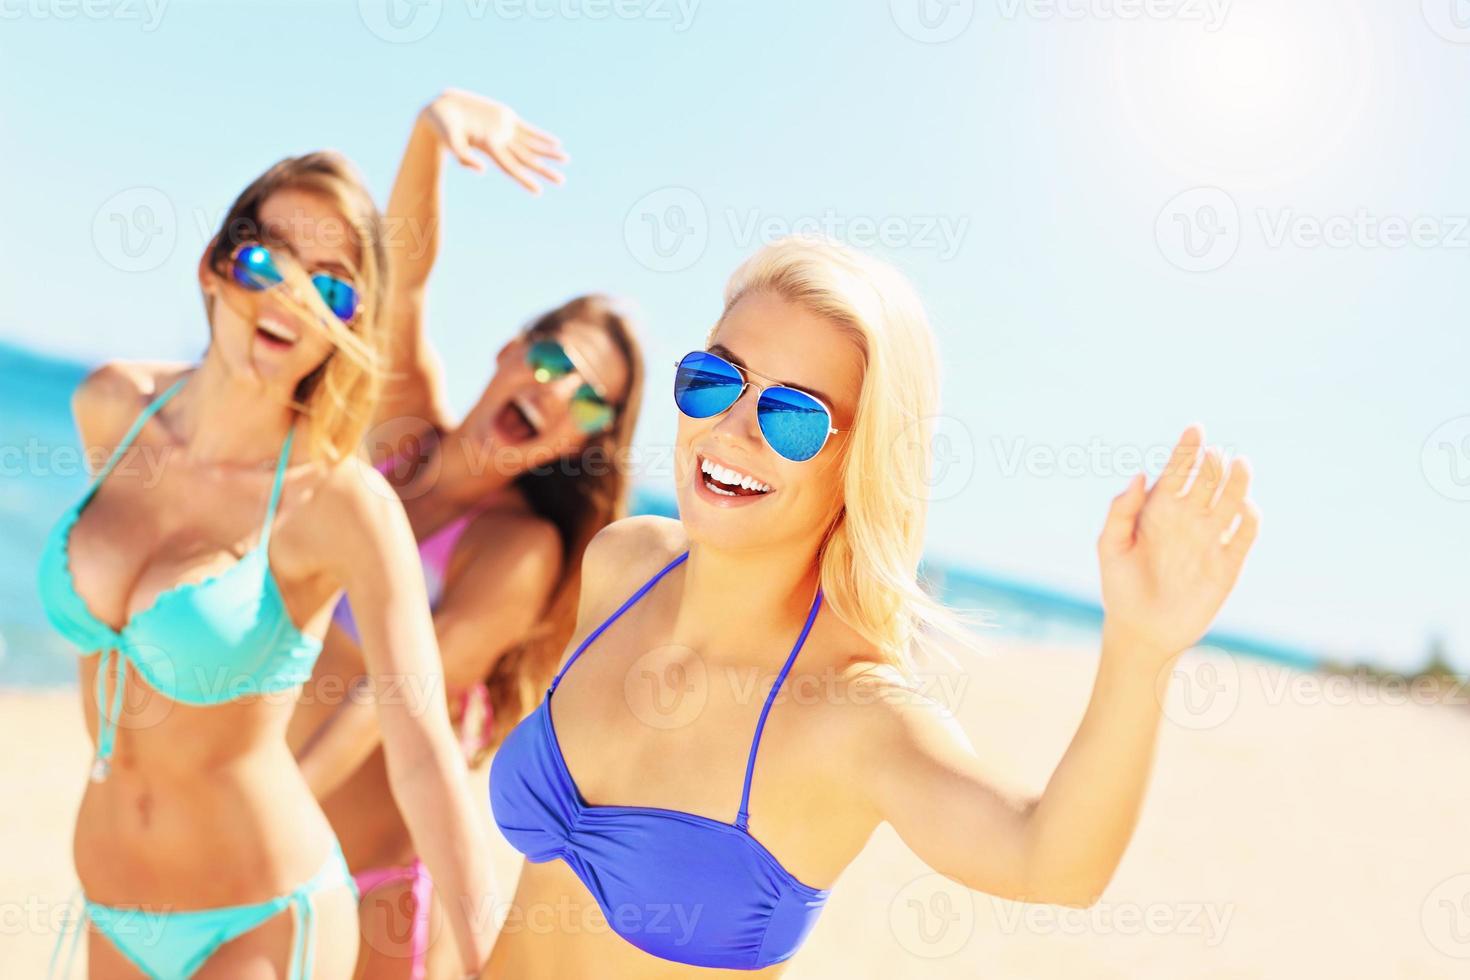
(275,333)
(523,420)
(785,344)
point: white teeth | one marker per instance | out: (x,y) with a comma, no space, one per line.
(529,411)
(276,330)
(732,478)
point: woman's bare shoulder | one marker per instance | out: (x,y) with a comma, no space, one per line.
(627,553)
(110,397)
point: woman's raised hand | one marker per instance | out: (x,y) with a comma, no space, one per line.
(1170,555)
(466,122)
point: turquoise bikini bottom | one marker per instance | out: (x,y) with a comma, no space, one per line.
(172,945)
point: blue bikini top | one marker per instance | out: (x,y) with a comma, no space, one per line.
(199,643)
(681,886)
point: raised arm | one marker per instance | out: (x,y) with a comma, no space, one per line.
(1169,558)
(462,123)
(374,556)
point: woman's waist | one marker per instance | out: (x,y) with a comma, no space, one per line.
(233,834)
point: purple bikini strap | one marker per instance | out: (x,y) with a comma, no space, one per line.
(742,819)
(613,618)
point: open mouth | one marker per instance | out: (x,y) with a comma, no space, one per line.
(275,334)
(517,422)
(729,482)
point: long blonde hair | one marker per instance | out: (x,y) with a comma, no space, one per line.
(869,558)
(337,397)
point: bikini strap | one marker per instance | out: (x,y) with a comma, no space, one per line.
(75,924)
(270,510)
(742,819)
(303,941)
(147,413)
(108,714)
(609,621)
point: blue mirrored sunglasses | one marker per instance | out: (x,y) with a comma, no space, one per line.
(795,424)
(254,267)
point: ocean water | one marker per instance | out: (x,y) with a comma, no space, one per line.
(42,472)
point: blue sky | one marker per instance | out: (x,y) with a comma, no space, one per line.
(1124,216)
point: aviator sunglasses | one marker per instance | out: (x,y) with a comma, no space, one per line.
(253,266)
(549,362)
(795,424)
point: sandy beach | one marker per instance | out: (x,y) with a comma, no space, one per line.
(1297,825)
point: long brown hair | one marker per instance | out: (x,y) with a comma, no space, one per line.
(580,497)
(338,396)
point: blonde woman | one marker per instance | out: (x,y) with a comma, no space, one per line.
(709,838)
(502,502)
(197,574)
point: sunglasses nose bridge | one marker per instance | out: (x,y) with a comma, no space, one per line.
(742,417)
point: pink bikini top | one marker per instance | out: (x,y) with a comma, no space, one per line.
(435,550)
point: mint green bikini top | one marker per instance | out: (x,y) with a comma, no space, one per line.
(200,643)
